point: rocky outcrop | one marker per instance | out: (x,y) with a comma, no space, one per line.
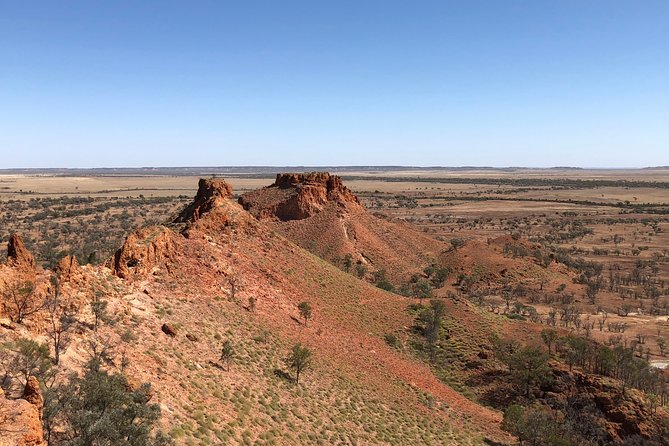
(209,195)
(296,196)
(143,251)
(16,273)
(20,420)
(68,269)
(622,414)
(18,255)
(33,394)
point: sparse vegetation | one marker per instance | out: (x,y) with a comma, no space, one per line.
(299,360)
(305,311)
(22,300)
(227,354)
(594,285)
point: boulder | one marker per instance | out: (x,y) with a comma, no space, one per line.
(68,269)
(169,330)
(20,420)
(33,394)
(192,337)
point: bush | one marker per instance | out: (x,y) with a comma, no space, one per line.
(102,408)
(392,340)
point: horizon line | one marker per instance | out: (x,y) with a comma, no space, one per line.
(325,166)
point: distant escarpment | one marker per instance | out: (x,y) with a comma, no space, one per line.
(296,196)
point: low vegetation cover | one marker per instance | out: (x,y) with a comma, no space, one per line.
(266,323)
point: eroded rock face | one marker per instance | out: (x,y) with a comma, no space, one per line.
(18,255)
(68,268)
(209,192)
(21,422)
(18,271)
(623,415)
(296,196)
(33,394)
(144,250)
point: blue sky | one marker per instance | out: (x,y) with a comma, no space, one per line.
(494,83)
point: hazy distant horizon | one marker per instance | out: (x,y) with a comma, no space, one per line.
(379,167)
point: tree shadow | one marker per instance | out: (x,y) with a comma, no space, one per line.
(283,375)
(216,365)
(490,442)
(498,393)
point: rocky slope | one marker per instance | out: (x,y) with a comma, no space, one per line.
(20,419)
(218,273)
(317,212)
(196,276)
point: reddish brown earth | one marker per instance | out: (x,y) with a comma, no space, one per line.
(17,254)
(183,288)
(20,422)
(348,326)
(317,212)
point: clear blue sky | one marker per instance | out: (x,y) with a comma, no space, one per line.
(496,83)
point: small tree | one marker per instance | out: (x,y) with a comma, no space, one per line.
(227,354)
(533,426)
(60,321)
(422,289)
(381,280)
(360,270)
(99,309)
(102,408)
(457,243)
(348,262)
(592,289)
(234,284)
(662,345)
(439,277)
(305,311)
(22,300)
(549,336)
(299,360)
(432,321)
(529,368)
(25,358)
(252,304)
(100,352)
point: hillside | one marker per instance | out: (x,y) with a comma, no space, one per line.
(317,212)
(197,275)
(218,276)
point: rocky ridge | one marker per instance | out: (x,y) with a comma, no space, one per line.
(296,196)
